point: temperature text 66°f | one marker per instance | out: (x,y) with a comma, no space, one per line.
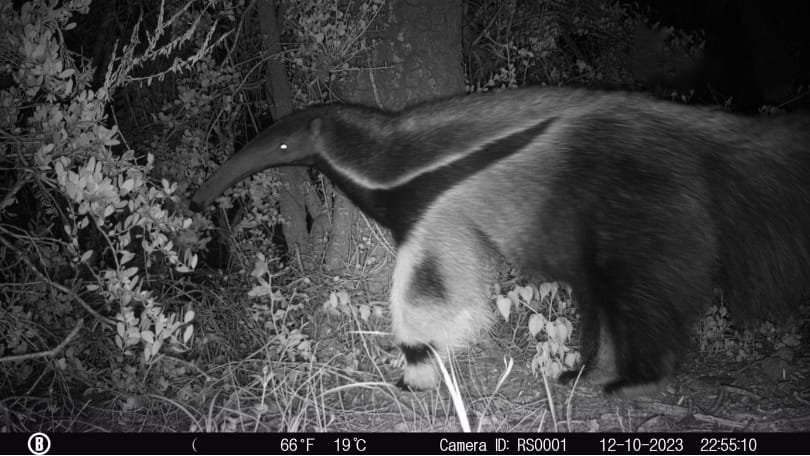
(294,445)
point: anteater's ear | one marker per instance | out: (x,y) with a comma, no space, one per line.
(315,126)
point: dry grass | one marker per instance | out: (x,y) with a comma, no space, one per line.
(239,377)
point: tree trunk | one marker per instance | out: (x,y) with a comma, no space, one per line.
(296,196)
(420,53)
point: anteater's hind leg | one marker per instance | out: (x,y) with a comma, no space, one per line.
(597,346)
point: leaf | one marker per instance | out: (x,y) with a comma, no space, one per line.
(147,353)
(129,272)
(791,340)
(155,348)
(86,256)
(536,323)
(551,330)
(513,296)
(564,329)
(547,288)
(260,267)
(126,256)
(261,290)
(554,370)
(526,294)
(148,336)
(187,333)
(504,306)
(127,186)
(571,359)
(188,316)
(365,311)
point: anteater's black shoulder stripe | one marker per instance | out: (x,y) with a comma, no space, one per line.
(399,208)
(408,202)
(383,150)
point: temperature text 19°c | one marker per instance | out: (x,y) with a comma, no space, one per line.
(346,444)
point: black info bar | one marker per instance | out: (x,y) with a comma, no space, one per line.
(405,443)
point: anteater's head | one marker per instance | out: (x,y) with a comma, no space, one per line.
(294,140)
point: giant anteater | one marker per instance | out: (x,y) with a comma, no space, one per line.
(640,205)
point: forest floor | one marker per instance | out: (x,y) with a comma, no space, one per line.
(710,394)
(335,370)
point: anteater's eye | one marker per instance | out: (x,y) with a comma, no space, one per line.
(283,146)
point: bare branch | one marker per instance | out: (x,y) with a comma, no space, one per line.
(59,287)
(12,192)
(47,353)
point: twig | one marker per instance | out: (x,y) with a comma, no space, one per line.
(12,192)
(741,391)
(50,352)
(373,82)
(59,287)
(550,403)
(507,370)
(570,397)
(800,399)
(376,232)
(718,420)
(718,402)
(190,365)
(675,411)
